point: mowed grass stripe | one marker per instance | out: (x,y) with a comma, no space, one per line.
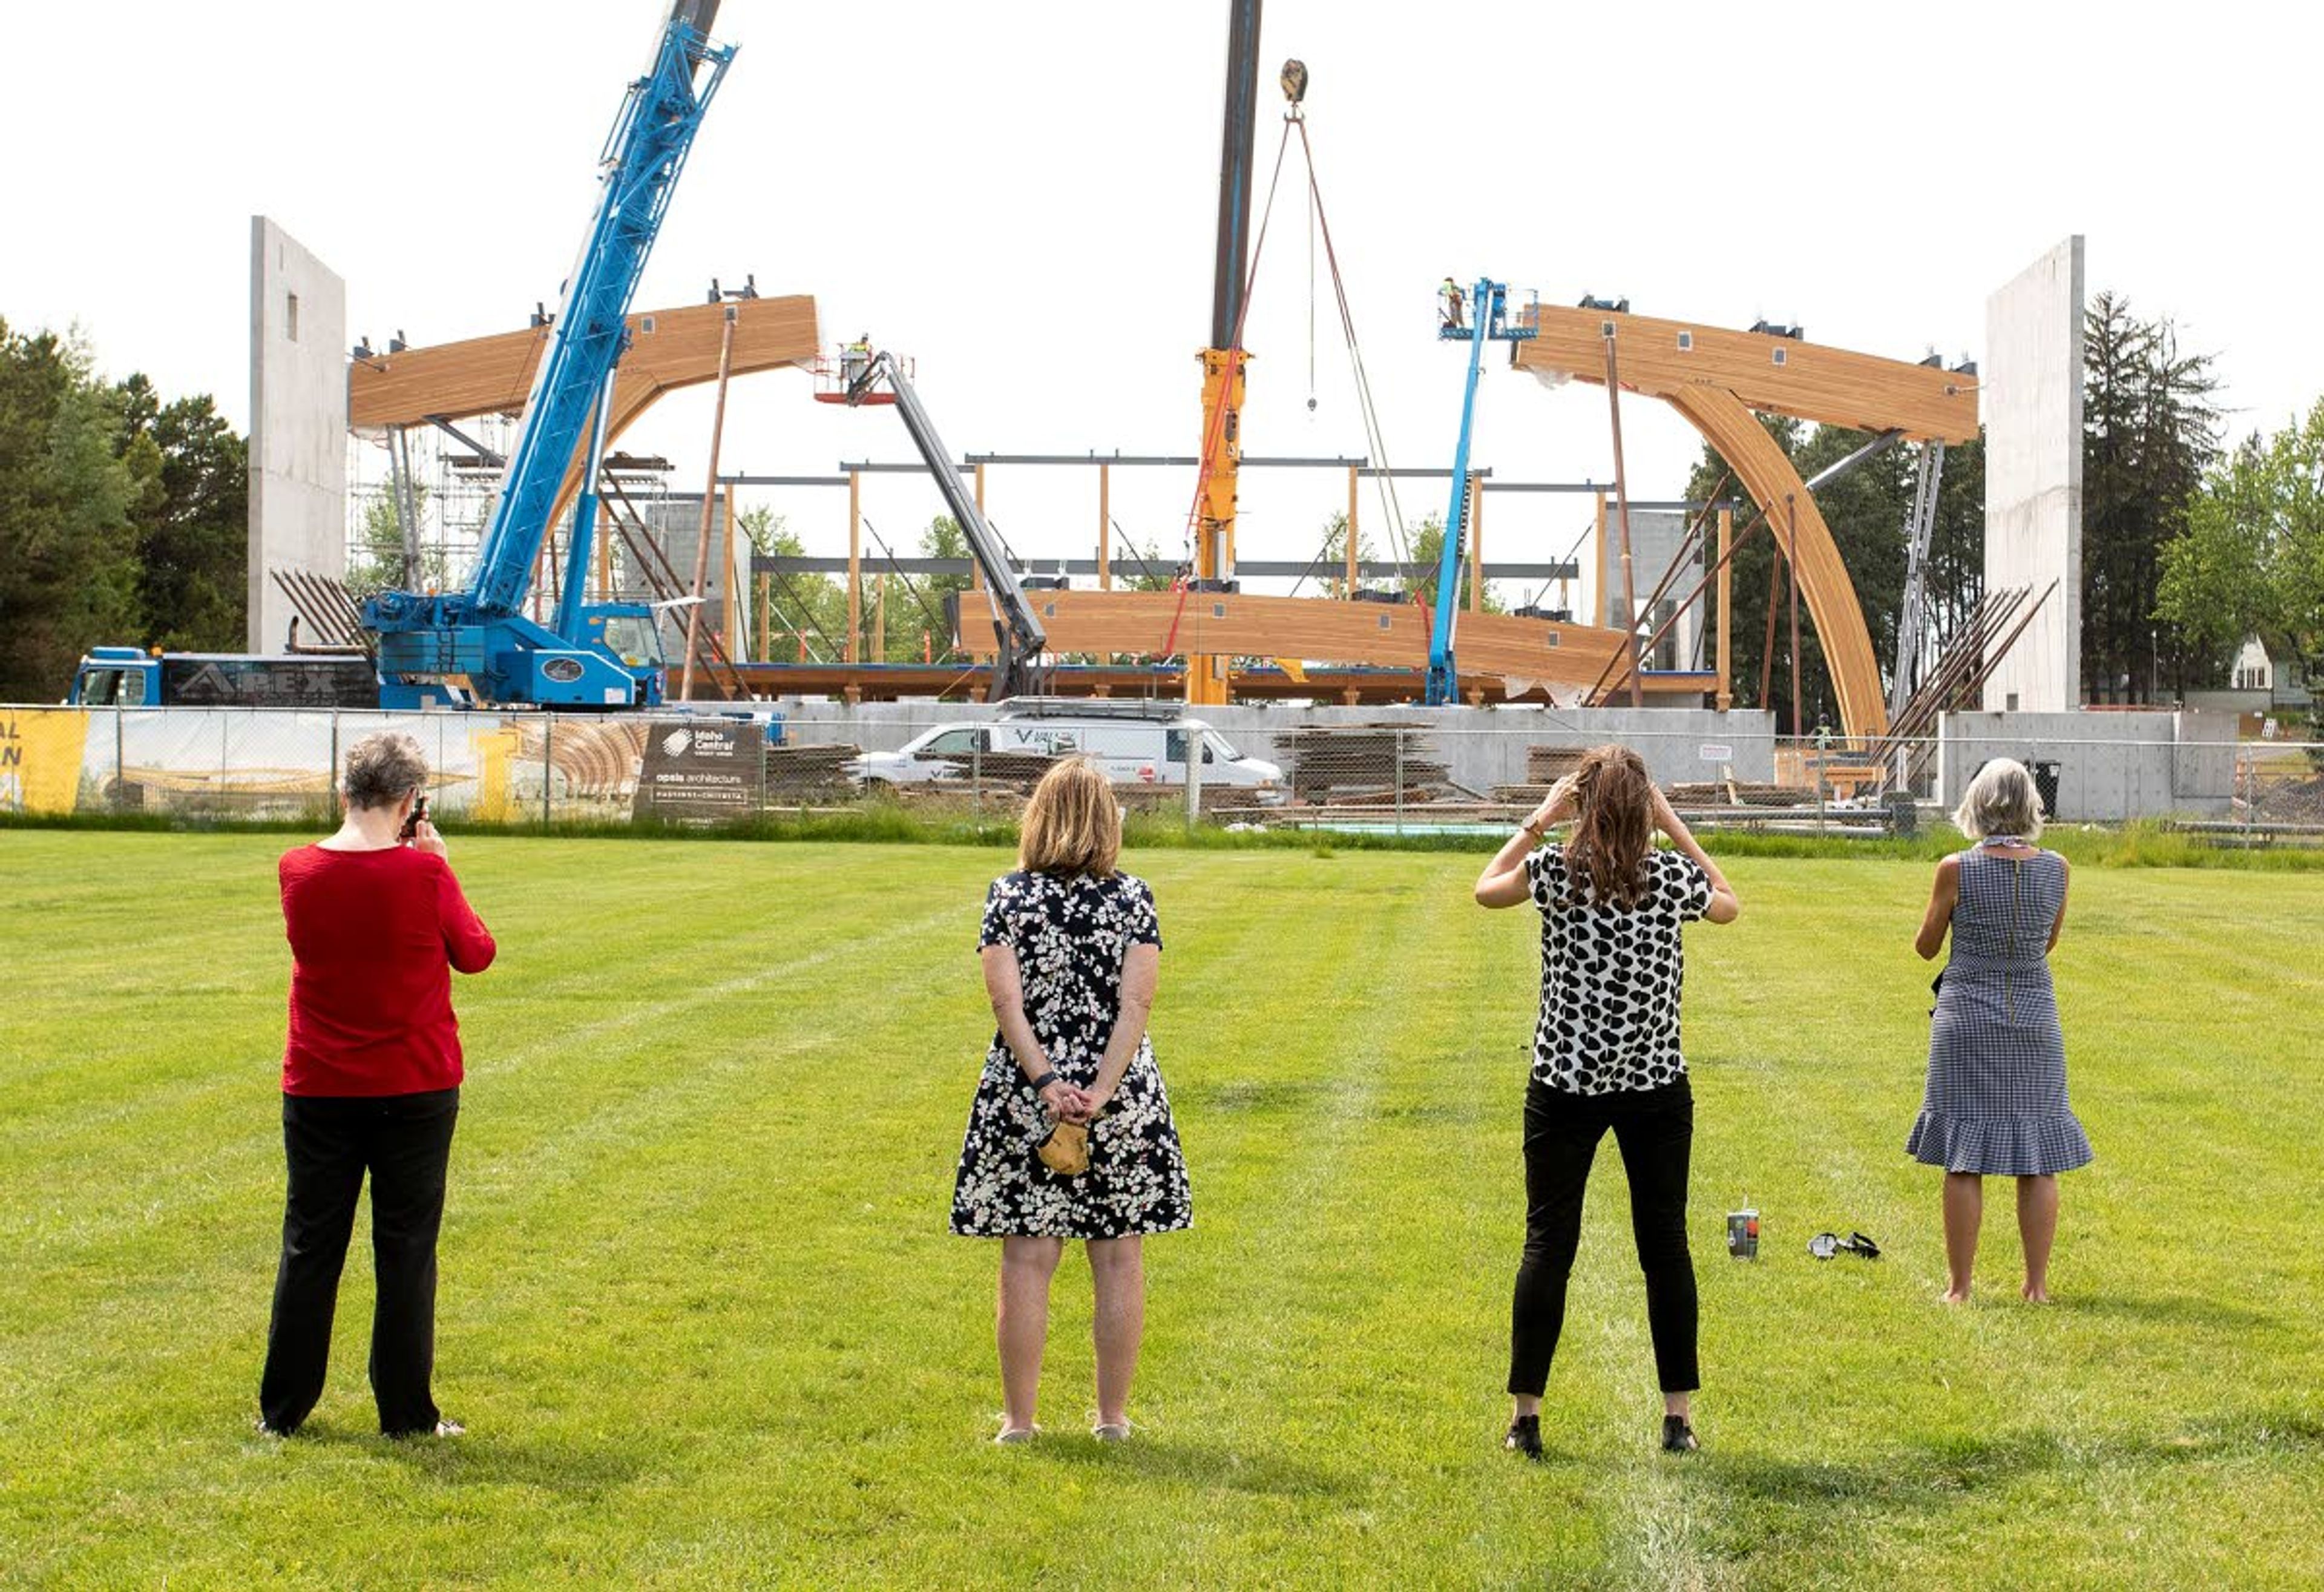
(720,1336)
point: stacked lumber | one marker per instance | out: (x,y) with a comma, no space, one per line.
(1361,762)
(1545,765)
(793,772)
(1021,770)
(1737,793)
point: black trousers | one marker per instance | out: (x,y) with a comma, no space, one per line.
(405,1142)
(1655,1129)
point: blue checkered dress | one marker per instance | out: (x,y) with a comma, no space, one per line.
(1997,1096)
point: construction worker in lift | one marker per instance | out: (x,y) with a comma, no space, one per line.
(1452,300)
(857,360)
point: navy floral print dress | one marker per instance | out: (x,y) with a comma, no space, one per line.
(1071,932)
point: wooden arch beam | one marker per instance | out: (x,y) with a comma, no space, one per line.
(1726,423)
(1717,379)
(669,349)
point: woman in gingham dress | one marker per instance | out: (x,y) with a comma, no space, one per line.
(1997,1094)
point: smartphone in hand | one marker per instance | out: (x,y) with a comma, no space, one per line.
(411,831)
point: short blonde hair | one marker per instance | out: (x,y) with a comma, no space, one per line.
(383,768)
(2001,800)
(1073,824)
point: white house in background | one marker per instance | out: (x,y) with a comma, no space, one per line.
(2259,684)
(2253,670)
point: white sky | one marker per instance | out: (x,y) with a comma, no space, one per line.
(1021,195)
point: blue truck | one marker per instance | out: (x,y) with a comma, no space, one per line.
(124,677)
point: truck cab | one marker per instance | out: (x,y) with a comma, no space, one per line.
(117,677)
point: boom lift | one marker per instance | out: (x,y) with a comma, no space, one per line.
(474,647)
(1487,323)
(1017,667)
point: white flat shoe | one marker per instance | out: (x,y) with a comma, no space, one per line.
(1112,1433)
(1017,1434)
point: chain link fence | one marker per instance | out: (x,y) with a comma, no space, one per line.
(1403,773)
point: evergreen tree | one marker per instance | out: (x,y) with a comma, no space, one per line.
(2150,432)
(68,498)
(192,519)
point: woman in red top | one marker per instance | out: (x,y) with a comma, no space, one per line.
(370,1082)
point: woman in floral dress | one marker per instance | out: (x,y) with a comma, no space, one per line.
(1072,950)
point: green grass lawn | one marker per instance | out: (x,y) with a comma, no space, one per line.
(701,1317)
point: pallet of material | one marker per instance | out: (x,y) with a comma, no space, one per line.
(1545,765)
(999,768)
(1325,760)
(816,770)
(1738,793)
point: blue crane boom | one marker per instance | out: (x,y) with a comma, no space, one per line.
(474,645)
(1488,322)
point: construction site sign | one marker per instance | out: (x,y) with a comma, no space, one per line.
(701,771)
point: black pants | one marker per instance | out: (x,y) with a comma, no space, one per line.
(406,1142)
(1655,1129)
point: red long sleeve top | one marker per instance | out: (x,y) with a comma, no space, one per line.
(374,936)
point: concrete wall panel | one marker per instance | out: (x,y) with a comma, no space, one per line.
(2033,406)
(298,424)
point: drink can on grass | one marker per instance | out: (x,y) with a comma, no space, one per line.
(1743,1234)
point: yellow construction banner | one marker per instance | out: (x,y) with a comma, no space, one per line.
(41,750)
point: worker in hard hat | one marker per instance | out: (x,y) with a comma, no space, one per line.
(1453,302)
(856,360)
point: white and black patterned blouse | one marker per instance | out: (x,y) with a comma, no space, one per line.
(1612,977)
(1070,933)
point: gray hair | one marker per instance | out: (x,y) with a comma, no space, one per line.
(383,768)
(2001,800)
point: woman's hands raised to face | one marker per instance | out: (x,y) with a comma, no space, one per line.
(1557,806)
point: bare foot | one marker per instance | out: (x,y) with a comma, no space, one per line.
(1953,1296)
(2035,1295)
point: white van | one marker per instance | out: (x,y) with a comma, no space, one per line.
(1134,743)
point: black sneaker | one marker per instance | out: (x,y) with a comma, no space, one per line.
(1678,1437)
(1524,1437)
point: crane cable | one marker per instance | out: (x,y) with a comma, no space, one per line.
(1375,441)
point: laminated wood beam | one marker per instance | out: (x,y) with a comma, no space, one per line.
(1312,629)
(669,348)
(1831,386)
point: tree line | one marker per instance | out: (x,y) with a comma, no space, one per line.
(124,516)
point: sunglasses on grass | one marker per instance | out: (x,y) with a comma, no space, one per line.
(1824,1245)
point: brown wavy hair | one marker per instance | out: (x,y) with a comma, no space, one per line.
(1613,827)
(1073,824)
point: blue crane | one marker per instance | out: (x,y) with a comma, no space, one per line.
(1487,322)
(474,647)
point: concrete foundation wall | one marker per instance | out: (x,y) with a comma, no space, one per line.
(1482,746)
(2112,766)
(2032,403)
(298,424)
